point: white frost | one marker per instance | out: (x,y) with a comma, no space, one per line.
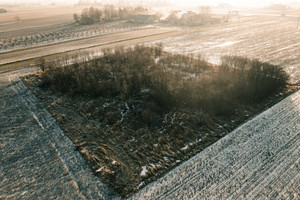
(227,44)
(100,169)
(141,184)
(185,147)
(144,171)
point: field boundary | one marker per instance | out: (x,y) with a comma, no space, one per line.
(62,42)
(178,31)
(89,47)
(88,184)
(217,171)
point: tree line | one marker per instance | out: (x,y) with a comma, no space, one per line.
(107,13)
(2,10)
(172,81)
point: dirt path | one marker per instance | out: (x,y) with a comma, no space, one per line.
(37,159)
(102,41)
(259,160)
(125,38)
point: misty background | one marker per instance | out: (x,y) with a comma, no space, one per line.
(184,3)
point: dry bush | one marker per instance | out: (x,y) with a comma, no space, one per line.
(153,104)
(41,63)
(174,81)
(254,80)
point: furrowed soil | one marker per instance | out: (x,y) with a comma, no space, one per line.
(128,153)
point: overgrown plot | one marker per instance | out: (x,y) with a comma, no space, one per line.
(135,113)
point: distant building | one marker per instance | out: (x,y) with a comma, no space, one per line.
(143,19)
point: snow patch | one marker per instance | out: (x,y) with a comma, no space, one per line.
(141,185)
(105,105)
(144,171)
(145,91)
(216,60)
(229,43)
(100,169)
(185,147)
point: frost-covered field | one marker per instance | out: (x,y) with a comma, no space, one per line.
(93,43)
(259,160)
(53,37)
(274,39)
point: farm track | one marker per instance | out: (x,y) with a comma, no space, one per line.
(59,34)
(31,30)
(51,44)
(134,36)
(105,41)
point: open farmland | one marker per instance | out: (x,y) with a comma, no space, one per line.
(259,160)
(264,158)
(50,25)
(34,19)
(92,43)
(65,34)
(271,39)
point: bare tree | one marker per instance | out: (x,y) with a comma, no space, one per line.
(76,18)
(88,16)
(41,63)
(123,13)
(204,10)
(18,19)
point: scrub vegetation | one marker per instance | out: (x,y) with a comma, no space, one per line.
(134,113)
(169,81)
(106,14)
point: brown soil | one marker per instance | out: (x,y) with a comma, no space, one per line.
(120,145)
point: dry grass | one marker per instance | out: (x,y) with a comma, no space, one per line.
(141,108)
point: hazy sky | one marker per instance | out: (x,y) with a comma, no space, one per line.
(180,2)
(232,2)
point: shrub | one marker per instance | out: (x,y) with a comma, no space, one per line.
(174,81)
(41,63)
(2,10)
(256,80)
(156,102)
(88,16)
